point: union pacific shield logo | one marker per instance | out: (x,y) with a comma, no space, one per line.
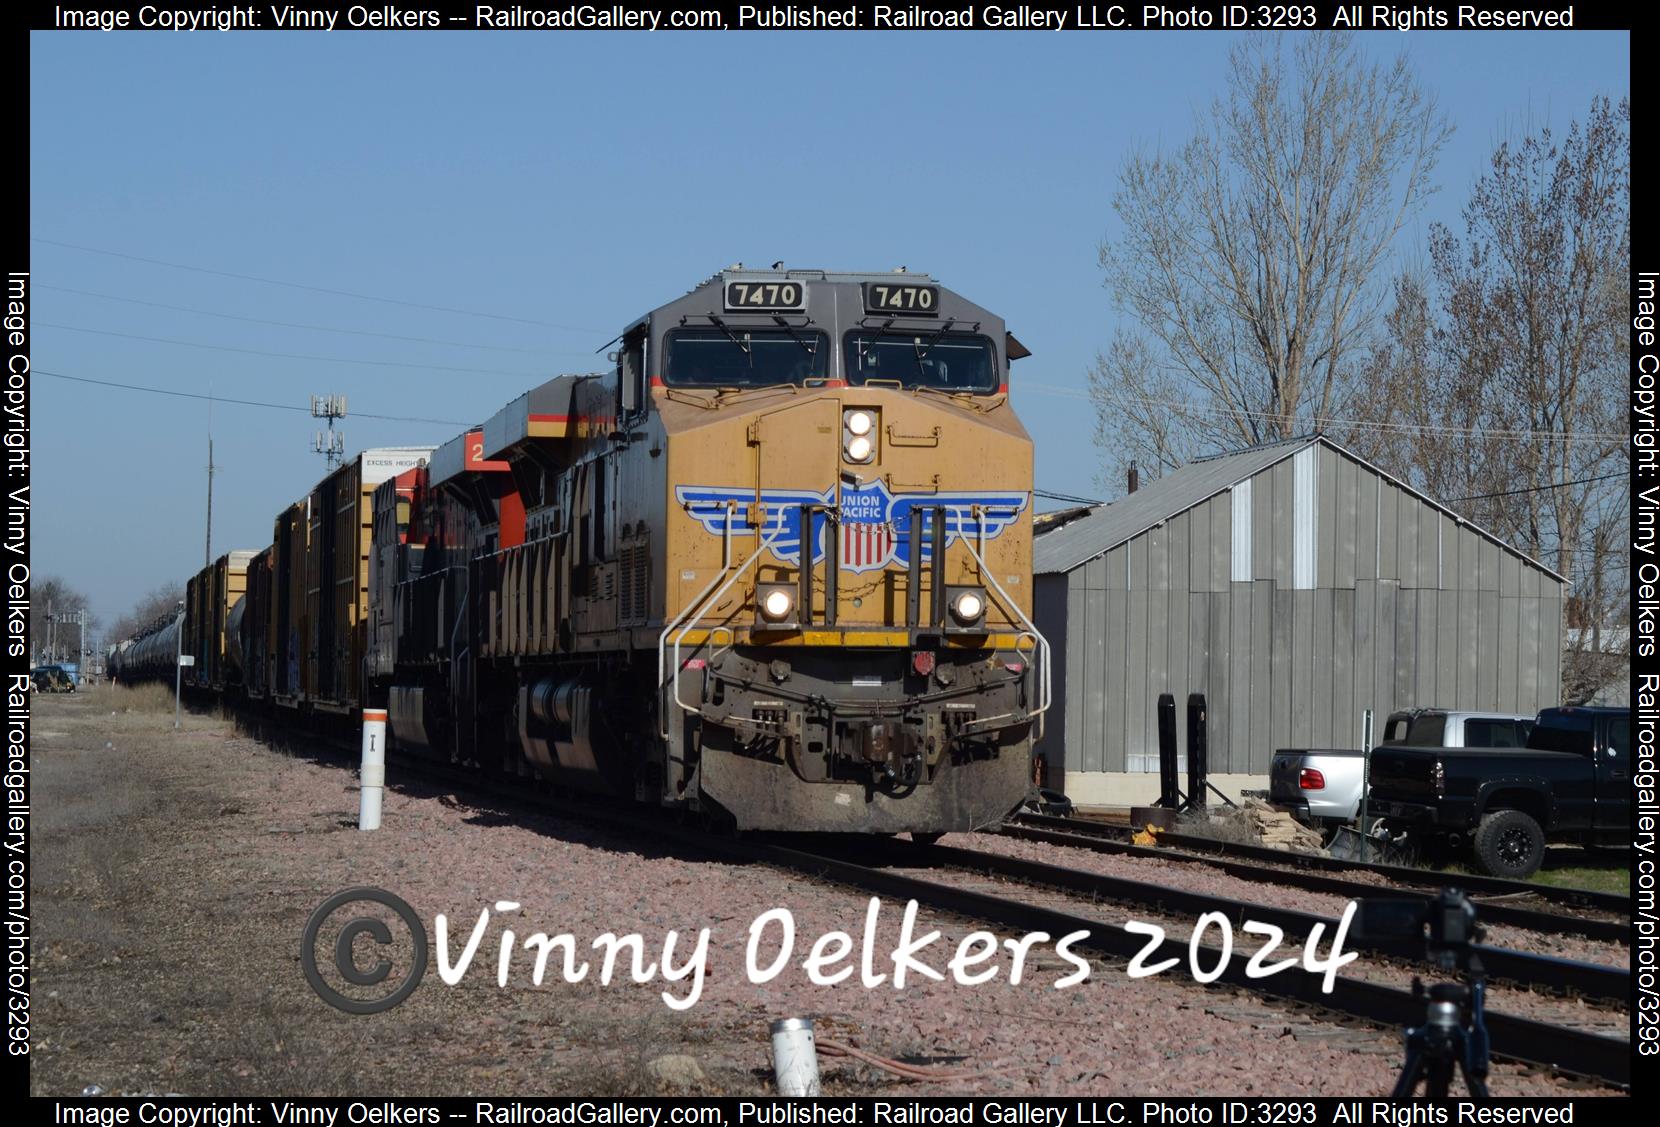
(874,528)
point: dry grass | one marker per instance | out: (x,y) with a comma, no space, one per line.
(151,697)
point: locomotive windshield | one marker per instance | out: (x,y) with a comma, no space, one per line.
(944,360)
(736,356)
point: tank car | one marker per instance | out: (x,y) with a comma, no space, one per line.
(774,566)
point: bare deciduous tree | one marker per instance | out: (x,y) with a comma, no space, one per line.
(160,603)
(1511,376)
(1248,255)
(60,641)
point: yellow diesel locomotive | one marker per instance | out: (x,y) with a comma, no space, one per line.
(774,566)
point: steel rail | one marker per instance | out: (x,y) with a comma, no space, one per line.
(1530,919)
(1470,882)
(1589,980)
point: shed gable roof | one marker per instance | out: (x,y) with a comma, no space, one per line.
(1105,527)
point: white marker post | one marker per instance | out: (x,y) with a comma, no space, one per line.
(795,1057)
(372,774)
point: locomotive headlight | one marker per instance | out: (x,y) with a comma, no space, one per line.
(859,422)
(967,606)
(776,602)
(858,449)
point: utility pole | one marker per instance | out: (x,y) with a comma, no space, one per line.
(207,552)
(330,443)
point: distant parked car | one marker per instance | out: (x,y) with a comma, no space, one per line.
(1321,786)
(51,679)
(1571,783)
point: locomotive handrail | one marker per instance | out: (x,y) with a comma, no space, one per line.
(663,638)
(700,604)
(1045,690)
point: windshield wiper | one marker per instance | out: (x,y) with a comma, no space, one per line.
(922,350)
(811,349)
(731,336)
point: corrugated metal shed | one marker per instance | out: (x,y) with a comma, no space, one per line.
(1294,585)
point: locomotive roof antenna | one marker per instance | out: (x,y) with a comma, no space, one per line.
(330,443)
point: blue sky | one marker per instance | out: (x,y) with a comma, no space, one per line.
(573,180)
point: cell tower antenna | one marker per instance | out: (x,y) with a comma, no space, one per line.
(330,443)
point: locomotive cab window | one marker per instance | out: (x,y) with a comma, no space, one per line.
(738,356)
(962,362)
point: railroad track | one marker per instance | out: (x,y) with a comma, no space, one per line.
(1609,902)
(1560,1048)
(1091,838)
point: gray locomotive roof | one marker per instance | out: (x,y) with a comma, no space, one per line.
(1105,527)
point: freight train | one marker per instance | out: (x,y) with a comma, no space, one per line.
(772,567)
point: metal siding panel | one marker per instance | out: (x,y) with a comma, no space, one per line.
(1488,576)
(1302,669)
(1428,688)
(1280,693)
(1158,667)
(1550,651)
(1076,580)
(1367,487)
(1221,543)
(1448,643)
(1477,653)
(1216,697)
(1325,522)
(1406,649)
(1280,476)
(1113,722)
(1389,542)
(1383,647)
(1305,516)
(1178,549)
(1345,522)
(1406,539)
(1527,655)
(1096,570)
(1240,646)
(1198,650)
(1135,676)
(1322,682)
(1135,578)
(1451,542)
(1262,675)
(1531,581)
(1176,660)
(1366,644)
(1262,526)
(1429,546)
(1500,665)
(1112,568)
(1049,613)
(1158,559)
(1345,712)
(1483,639)
(1098,680)
(1240,565)
(1198,556)
(1510,574)
(1469,559)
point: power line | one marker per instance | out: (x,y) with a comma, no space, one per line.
(238,402)
(1330,421)
(313,328)
(1538,488)
(1050,496)
(314,289)
(290,355)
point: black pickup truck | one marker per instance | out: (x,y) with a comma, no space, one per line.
(1571,783)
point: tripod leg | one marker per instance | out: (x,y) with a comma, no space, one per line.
(1438,1077)
(1411,1070)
